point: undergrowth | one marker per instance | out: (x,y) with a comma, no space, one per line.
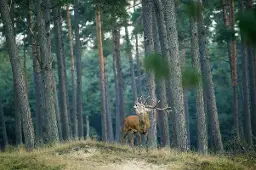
(92,154)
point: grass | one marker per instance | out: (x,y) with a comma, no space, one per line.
(97,155)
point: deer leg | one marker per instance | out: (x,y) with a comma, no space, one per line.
(146,135)
(125,134)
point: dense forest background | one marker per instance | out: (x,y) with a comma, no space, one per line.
(127,16)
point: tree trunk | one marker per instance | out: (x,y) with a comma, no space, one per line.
(2,119)
(165,53)
(175,75)
(17,76)
(147,8)
(47,73)
(74,104)
(102,78)
(18,126)
(202,140)
(119,76)
(208,83)
(61,74)
(234,73)
(25,67)
(246,103)
(87,127)
(79,76)
(129,53)
(117,99)
(109,115)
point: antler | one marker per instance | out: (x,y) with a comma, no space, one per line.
(146,100)
(152,107)
(161,109)
(141,100)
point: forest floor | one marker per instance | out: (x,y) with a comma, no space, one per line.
(92,155)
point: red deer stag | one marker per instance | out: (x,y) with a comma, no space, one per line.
(139,123)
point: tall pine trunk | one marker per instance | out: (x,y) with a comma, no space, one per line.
(147,8)
(61,74)
(3,126)
(202,140)
(102,78)
(19,82)
(79,75)
(74,103)
(129,53)
(234,72)
(87,127)
(119,76)
(176,90)
(162,83)
(51,128)
(38,86)
(209,86)
(18,125)
(109,115)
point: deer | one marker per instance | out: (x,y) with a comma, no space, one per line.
(140,123)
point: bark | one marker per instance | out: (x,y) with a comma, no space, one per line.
(147,8)
(51,128)
(129,53)
(74,103)
(175,75)
(202,140)
(18,126)
(79,76)
(87,127)
(17,76)
(61,74)
(119,76)
(209,86)
(234,73)
(117,100)
(25,67)
(2,119)
(102,78)
(165,53)
(109,115)
(246,103)
(57,109)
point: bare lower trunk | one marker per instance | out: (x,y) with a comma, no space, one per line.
(18,126)
(102,79)
(17,75)
(147,7)
(109,115)
(74,104)
(3,126)
(209,86)
(175,75)
(202,139)
(87,127)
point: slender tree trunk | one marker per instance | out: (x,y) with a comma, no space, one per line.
(38,86)
(102,78)
(79,76)
(247,114)
(139,85)
(109,115)
(2,119)
(147,8)
(175,75)
(47,72)
(61,74)
(202,140)
(18,126)
(25,66)
(129,53)
(162,83)
(87,127)
(208,83)
(119,76)
(17,75)
(234,73)
(117,99)
(74,104)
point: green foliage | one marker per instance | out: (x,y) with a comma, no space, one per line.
(225,34)
(194,9)
(157,64)
(190,77)
(247,22)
